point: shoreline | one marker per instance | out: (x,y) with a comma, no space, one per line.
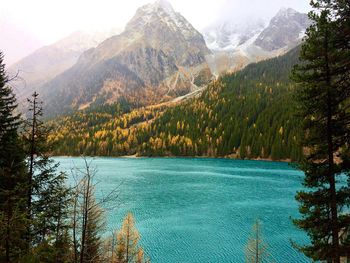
(135,156)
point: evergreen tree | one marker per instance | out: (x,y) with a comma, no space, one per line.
(12,176)
(256,249)
(48,198)
(323,96)
(128,249)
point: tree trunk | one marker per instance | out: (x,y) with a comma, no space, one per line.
(75,245)
(127,242)
(85,216)
(31,169)
(7,241)
(58,233)
(331,173)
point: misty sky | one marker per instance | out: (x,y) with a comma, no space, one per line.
(27,25)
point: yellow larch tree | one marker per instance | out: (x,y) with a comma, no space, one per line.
(256,249)
(128,249)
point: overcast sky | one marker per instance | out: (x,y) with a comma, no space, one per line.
(26,25)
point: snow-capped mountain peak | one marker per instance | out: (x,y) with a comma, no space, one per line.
(229,35)
(236,43)
(161,12)
(166,6)
(286,12)
(148,11)
(284,30)
(158,57)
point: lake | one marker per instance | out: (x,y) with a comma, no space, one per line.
(202,210)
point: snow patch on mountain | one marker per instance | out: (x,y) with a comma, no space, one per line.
(237,43)
(162,11)
(284,30)
(167,7)
(229,35)
(302,34)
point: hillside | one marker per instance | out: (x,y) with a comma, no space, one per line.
(49,61)
(159,56)
(248,114)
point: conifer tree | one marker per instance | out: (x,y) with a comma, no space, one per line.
(256,249)
(323,95)
(12,176)
(48,198)
(128,249)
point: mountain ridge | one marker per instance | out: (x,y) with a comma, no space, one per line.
(285,29)
(159,57)
(261,41)
(49,61)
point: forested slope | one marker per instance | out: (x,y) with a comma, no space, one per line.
(248,114)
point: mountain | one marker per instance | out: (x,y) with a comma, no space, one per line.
(158,56)
(286,29)
(47,62)
(251,40)
(247,114)
(228,35)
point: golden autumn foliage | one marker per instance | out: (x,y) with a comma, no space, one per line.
(256,249)
(128,249)
(242,115)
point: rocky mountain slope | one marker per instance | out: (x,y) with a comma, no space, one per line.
(49,61)
(159,56)
(229,35)
(285,30)
(253,40)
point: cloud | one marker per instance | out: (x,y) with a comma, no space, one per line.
(43,21)
(238,9)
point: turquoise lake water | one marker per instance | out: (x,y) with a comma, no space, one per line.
(202,210)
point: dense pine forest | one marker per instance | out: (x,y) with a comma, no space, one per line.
(248,114)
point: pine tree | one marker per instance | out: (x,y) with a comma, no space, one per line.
(323,95)
(48,198)
(256,249)
(128,249)
(12,176)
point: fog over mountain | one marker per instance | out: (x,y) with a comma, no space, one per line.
(158,56)
(236,43)
(43,22)
(47,62)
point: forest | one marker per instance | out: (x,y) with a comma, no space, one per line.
(248,114)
